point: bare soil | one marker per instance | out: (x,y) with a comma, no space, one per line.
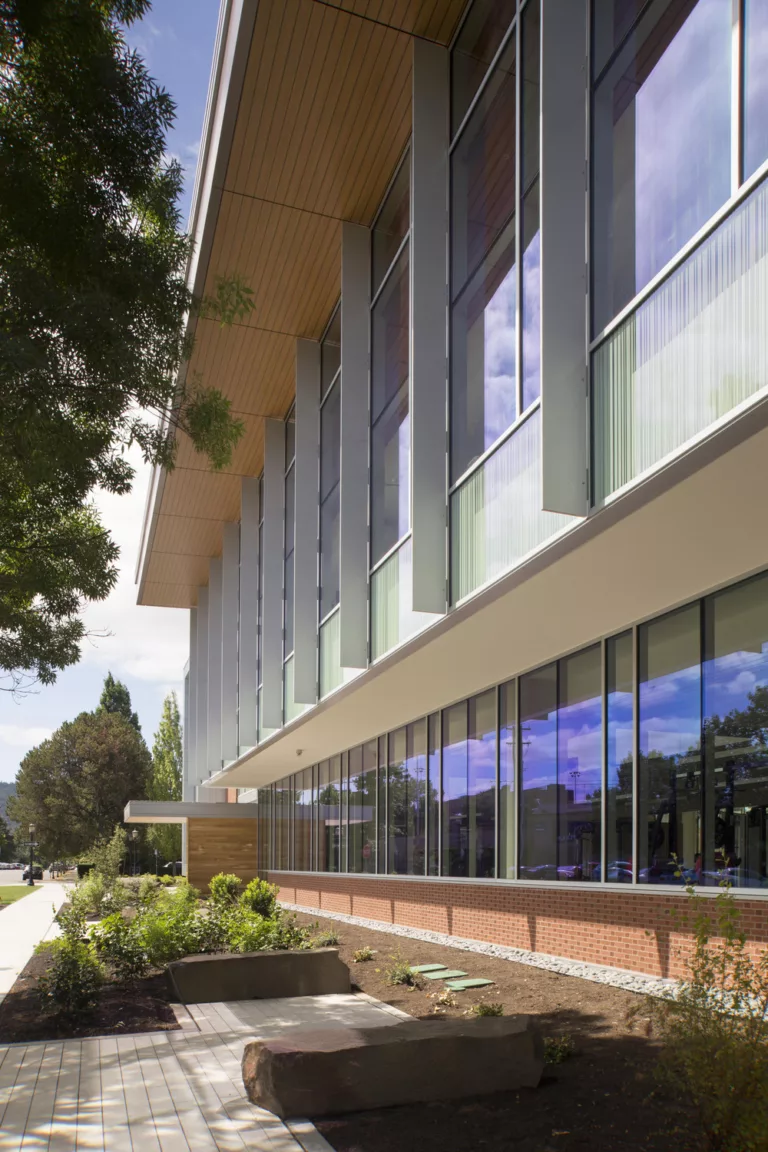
(604,1098)
(122,1008)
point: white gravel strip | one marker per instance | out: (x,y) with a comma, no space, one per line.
(598,973)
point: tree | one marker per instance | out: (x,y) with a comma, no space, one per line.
(75,785)
(7,848)
(93,312)
(166,777)
(116,698)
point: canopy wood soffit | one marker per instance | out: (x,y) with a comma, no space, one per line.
(323,116)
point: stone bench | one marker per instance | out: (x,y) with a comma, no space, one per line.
(257,975)
(339,1070)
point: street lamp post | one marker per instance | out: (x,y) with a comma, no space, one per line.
(134,838)
(32,846)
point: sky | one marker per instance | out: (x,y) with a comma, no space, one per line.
(145,647)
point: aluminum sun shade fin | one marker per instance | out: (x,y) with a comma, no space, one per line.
(230,594)
(201,696)
(214,666)
(564,87)
(305,623)
(272,569)
(428,300)
(353,542)
(249,612)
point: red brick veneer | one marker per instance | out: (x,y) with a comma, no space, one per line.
(635,930)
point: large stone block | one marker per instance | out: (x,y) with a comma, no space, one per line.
(258,975)
(349,1069)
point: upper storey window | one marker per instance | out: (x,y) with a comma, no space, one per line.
(480,35)
(494,231)
(290,530)
(662,137)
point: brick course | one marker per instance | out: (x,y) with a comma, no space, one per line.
(628,929)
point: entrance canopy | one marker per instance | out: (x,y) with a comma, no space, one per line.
(179,811)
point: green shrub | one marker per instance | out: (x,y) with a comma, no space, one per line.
(325,940)
(400,972)
(149,889)
(360,955)
(715,1031)
(487,1009)
(107,856)
(246,931)
(261,897)
(73,979)
(166,881)
(120,943)
(224,888)
(558,1049)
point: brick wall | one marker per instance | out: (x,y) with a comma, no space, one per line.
(634,930)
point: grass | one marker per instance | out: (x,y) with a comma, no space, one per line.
(11,892)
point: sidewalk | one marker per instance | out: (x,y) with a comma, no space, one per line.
(22,926)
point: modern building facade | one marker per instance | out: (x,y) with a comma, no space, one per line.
(479,612)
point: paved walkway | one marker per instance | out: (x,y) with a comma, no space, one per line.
(165,1091)
(22,926)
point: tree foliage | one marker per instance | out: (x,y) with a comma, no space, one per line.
(165,781)
(116,698)
(7,847)
(93,309)
(75,785)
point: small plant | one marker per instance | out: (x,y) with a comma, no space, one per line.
(361,955)
(225,888)
(73,979)
(149,889)
(445,999)
(558,1049)
(400,972)
(487,1009)
(120,944)
(166,881)
(325,940)
(261,897)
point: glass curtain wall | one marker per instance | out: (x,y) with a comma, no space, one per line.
(494,262)
(390,401)
(330,465)
(290,517)
(658,735)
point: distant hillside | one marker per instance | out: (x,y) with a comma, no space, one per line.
(6,790)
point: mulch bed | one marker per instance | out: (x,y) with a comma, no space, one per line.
(603,1097)
(122,1008)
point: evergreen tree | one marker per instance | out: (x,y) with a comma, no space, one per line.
(116,698)
(166,778)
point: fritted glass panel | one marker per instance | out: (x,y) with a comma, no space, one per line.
(669,754)
(433,795)
(619,682)
(329,815)
(406,799)
(496,515)
(755,85)
(302,822)
(476,45)
(392,223)
(362,808)
(736,736)
(507,758)
(484,368)
(330,473)
(469,787)
(331,673)
(661,127)
(390,435)
(579,766)
(392,616)
(691,353)
(330,351)
(538,772)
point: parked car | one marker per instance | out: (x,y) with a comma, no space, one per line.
(37,873)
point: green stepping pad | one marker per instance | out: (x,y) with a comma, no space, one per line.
(428,968)
(474,982)
(444,974)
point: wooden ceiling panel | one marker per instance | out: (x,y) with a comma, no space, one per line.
(173,567)
(431,19)
(172,535)
(209,495)
(254,368)
(170,595)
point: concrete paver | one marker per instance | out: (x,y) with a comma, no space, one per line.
(23,925)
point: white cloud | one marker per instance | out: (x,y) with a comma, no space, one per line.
(22,736)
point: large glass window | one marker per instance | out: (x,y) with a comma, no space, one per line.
(329,815)
(406,799)
(390,431)
(433,796)
(669,751)
(531,235)
(392,223)
(469,787)
(302,821)
(579,766)
(619,854)
(507,759)
(362,808)
(736,735)
(661,139)
(755,85)
(478,41)
(330,475)
(538,770)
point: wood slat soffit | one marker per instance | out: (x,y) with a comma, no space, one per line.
(324,116)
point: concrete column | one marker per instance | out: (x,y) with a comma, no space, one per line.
(428,313)
(353,560)
(272,569)
(214,666)
(564,417)
(230,594)
(201,704)
(249,612)
(305,581)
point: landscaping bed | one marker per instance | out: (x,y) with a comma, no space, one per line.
(603,1095)
(120,1009)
